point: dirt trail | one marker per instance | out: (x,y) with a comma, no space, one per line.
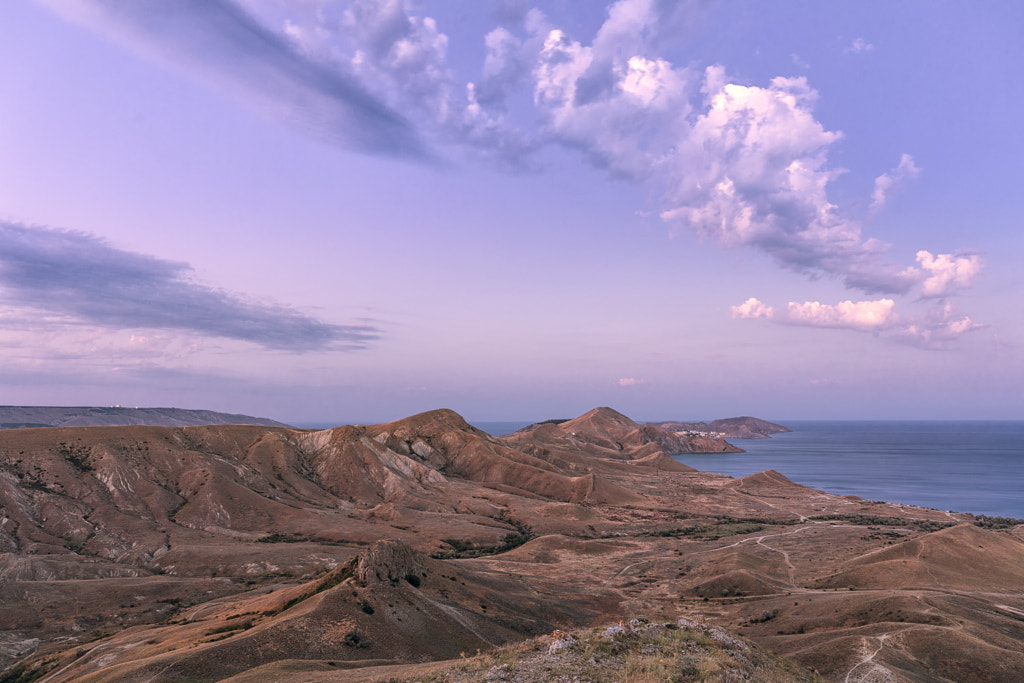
(785,556)
(870,670)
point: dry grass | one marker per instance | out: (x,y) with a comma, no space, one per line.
(633,652)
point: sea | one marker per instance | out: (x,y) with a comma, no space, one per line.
(973,466)
(961,466)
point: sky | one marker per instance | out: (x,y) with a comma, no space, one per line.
(319,211)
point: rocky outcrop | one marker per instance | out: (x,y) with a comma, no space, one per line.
(387,561)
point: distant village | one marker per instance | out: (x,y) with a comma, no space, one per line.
(710,435)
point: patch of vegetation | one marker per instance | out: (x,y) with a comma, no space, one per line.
(462,548)
(765,615)
(353,639)
(229,628)
(35,485)
(926,525)
(986,522)
(413,579)
(76,454)
(25,673)
(712,531)
(282,538)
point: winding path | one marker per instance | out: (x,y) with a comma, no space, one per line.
(875,672)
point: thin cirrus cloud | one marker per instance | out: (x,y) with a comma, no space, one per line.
(859,46)
(81,277)
(220,41)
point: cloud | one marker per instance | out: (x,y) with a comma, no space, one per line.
(942,324)
(939,325)
(752,308)
(859,46)
(744,165)
(78,277)
(947,272)
(221,42)
(862,315)
(409,51)
(504,67)
(403,58)
(888,183)
(630,382)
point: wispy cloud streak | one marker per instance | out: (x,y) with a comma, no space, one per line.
(83,278)
(220,41)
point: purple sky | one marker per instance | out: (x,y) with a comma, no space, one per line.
(354,211)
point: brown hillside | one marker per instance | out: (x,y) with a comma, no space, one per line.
(200,553)
(962,557)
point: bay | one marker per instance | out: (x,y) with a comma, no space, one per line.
(963,466)
(500,428)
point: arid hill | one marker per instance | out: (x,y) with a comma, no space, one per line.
(730,427)
(209,553)
(21,417)
(609,434)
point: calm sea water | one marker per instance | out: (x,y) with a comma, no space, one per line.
(962,466)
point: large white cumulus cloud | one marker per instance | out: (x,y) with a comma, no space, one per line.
(947,272)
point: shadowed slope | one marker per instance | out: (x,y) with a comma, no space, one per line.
(389,605)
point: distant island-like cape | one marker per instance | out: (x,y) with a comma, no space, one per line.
(730,428)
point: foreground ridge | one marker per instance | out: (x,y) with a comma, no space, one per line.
(627,651)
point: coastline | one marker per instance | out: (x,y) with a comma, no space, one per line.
(970,466)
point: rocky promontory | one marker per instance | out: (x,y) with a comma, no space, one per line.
(729,428)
